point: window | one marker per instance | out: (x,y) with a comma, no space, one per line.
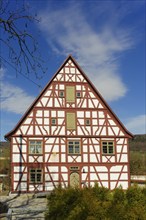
(108,147)
(61,94)
(53,121)
(78,94)
(74,147)
(35,175)
(87,121)
(70,117)
(74,168)
(70,93)
(35,147)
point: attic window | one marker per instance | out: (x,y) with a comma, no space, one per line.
(53,121)
(87,121)
(61,94)
(78,94)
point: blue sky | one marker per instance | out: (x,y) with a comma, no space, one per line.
(107,38)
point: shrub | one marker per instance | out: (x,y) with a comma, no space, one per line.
(97,203)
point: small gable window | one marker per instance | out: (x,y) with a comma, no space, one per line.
(35,147)
(61,94)
(35,175)
(53,121)
(78,94)
(107,147)
(87,121)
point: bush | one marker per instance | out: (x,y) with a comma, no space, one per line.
(97,203)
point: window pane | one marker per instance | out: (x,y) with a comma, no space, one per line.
(104,149)
(53,121)
(32,149)
(111,150)
(61,94)
(38,177)
(87,121)
(78,94)
(77,150)
(71,149)
(32,177)
(38,149)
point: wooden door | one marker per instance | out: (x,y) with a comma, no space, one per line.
(74,179)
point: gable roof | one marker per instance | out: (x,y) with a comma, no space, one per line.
(8,135)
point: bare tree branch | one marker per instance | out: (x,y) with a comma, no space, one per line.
(16,38)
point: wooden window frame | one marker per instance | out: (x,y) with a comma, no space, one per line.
(74,145)
(74,168)
(53,123)
(36,173)
(35,147)
(78,97)
(87,124)
(108,146)
(61,92)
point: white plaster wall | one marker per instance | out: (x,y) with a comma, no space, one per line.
(64,169)
(103,176)
(65,176)
(116,168)
(85,158)
(16,176)
(93,158)
(53,168)
(63,158)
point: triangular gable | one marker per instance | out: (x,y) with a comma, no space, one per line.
(69,72)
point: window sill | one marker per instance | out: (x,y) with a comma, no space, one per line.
(104,154)
(36,183)
(36,154)
(73,154)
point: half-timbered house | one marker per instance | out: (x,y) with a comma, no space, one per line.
(69,137)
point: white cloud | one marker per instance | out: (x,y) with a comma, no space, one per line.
(13,98)
(2,72)
(68,32)
(136,125)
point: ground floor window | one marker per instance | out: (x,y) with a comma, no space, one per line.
(35,175)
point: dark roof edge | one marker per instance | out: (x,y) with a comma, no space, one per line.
(7,136)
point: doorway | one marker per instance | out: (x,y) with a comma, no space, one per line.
(74,179)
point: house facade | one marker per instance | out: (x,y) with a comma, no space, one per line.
(69,137)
